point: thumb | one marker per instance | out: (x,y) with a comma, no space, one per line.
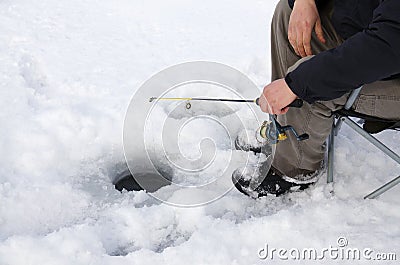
(318,31)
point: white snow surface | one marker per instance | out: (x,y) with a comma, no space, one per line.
(68,70)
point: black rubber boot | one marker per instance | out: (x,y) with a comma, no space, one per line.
(273,184)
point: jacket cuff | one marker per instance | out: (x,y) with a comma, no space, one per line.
(298,89)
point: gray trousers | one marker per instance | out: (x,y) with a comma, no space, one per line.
(380,99)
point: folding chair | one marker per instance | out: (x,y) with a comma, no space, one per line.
(371,125)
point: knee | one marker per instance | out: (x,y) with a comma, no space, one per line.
(302,60)
(281,17)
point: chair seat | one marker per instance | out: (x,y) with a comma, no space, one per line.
(371,124)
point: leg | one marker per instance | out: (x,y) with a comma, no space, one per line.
(293,158)
(380,99)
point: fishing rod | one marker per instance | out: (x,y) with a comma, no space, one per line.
(189,105)
(297,103)
(266,131)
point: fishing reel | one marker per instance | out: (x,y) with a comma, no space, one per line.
(277,133)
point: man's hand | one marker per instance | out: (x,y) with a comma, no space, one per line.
(303,19)
(276,97)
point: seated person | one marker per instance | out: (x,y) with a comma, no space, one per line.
(321,50)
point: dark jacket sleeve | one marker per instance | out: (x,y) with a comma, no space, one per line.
(368,56)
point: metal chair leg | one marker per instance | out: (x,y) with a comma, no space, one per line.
(383,189)
(372,139)
(384,149)
(331,152)
(331,144)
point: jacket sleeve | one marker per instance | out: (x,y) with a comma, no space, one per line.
(368,56)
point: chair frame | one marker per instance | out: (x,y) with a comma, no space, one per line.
(337,124)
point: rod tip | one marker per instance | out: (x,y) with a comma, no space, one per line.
(152,99)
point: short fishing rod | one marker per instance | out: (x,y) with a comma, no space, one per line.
(265,131)
(297,103)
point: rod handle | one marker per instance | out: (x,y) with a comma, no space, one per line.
(297,103)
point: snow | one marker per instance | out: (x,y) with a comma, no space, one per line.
(68,71)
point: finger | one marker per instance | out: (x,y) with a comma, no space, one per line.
(292,41)
(263,103)
(297,45)
(293,44)
(284,110)
(268,108)
(277,111)
(274,108)
(319,31)
(307,42)
(292,36)
(299,42)
(265,108)
(295,48)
